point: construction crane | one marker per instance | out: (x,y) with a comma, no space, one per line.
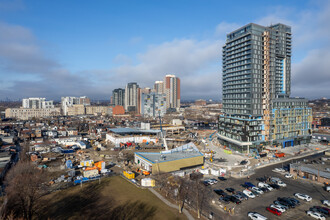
(161,132)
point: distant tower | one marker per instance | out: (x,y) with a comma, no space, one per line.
(172,91)
(131,97)
(159,87)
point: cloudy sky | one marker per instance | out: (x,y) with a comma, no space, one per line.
(59,48)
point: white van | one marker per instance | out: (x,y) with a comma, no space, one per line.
(262,184)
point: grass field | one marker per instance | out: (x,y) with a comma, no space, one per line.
(114,198)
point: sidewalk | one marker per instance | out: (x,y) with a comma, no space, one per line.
(188,215)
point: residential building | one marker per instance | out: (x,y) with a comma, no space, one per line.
(69,101)
(118,97)
(131,97)
(153,104)
(29,113)
(102,110)
(172,91)
(76,109)
(256,88)
(37,103)
(159,87)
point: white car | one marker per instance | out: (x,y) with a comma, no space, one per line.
(288,175)
(281,170)
(256,216)
(278,207)
(315,215)
(248,193)
(280,183)
(303,197)
(261,184)
(326,202)
(258,190)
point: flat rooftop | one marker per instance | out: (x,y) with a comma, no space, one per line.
(185,151)
(123,131)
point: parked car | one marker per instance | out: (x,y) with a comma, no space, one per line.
(243,162)
(320,209)
(274,211)
(241,198)
(288,175)
(281,170)
(256,216)
(326,202)
(245,186)
(307,198)
(231,190)
(249,193)
(281,183)
(278,207)
(281,204)
(235,200)
(262,184)
(249,184)
(257,190)
(287,202)
(213,181)
(245,197)
(224,199)
(220,192)
(316,215)
(261,179)
(274,186)
(295,201)
(264,189)
(222,178)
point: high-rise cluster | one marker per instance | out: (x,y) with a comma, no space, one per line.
(149,102)
(256,89)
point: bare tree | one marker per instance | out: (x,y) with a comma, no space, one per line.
(199,194)
(25,185)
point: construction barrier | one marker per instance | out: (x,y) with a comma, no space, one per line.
(228,151)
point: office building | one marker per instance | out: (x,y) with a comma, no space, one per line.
(153,104)
(159,87)
(172,91)
(118,97)
(256,87)
(37,103)
(131,97)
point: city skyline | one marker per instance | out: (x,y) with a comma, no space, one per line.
(65,54)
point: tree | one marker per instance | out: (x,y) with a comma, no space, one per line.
(25,186)
(200,192)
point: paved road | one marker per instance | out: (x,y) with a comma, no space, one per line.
(259,204)
(188,215)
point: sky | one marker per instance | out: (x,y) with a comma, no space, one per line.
(73,48)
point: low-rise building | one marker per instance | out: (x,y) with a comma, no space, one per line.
(178,158)
(29,113)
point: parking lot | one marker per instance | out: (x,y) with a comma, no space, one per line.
(260,203)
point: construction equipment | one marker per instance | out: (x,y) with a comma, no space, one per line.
(161,131)
(211,136)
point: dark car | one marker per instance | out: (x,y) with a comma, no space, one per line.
(235,200)
(264,189)
(249,184)
(222,178)
(245,186)
(220,192)
(262,179)
(322,210)
(243,162)
(225,199)
(206,183)
(295,201)
(274,185)
(286,202)
(231,190)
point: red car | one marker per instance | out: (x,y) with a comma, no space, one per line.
(274,211)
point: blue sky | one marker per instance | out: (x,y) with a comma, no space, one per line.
(56,48)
